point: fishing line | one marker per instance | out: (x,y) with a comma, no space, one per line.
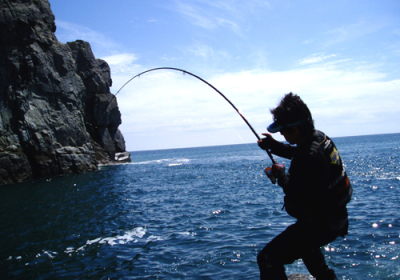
(204,81)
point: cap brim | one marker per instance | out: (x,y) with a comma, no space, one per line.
(274,127)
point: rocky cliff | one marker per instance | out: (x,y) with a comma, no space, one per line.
(57,115)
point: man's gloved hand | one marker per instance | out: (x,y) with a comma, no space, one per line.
(266,142)
(278,170)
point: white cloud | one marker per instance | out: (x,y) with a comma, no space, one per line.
(122,63)
(124,58)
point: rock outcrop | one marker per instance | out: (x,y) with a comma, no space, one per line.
(57,115)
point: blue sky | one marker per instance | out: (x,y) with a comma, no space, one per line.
(341,57)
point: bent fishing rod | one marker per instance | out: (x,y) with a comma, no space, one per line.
(204,81)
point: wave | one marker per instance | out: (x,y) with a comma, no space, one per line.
(169,161)
(129,236)
(132,236)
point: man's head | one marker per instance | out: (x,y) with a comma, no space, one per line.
(292,115)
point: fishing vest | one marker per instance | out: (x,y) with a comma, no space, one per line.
(337,189)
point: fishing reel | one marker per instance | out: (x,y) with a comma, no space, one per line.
(268,172)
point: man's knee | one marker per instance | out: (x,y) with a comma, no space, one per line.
(264,260)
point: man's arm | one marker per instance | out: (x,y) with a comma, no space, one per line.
(276,147)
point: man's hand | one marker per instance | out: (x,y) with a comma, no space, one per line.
(266,142)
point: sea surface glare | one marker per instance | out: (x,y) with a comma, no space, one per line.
(198,213)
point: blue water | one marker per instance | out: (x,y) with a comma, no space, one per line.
(199,213)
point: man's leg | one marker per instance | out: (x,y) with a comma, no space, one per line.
(316,265)
(297,241)
(283,249)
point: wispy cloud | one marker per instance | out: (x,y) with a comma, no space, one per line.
(152,20)
(230,25)
(205,52)
(217,13)
(67,31)
(196,15)
(352,31)
(318,57)
(238,8)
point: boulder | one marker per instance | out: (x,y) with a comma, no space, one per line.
(123,157)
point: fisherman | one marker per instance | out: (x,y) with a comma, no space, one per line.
(316,189)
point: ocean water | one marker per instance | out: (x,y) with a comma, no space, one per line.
(198,213)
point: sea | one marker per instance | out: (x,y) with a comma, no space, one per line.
(193,213)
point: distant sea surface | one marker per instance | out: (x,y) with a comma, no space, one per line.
(198,213)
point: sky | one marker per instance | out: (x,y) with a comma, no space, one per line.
(341,57)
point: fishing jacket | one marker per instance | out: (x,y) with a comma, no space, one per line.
(316,186)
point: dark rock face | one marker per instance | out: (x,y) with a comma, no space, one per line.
(57,115)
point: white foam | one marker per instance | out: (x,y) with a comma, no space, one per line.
(89,242)
(50,254)
(129,236)
(148,162)
(175,164)
(139,232)
(154,238)
(171,161)
(69,250)
(187,233)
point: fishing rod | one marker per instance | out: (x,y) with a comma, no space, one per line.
(204,81)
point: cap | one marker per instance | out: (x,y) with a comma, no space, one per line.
(277,126)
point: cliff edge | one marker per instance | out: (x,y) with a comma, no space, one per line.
(55,111)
